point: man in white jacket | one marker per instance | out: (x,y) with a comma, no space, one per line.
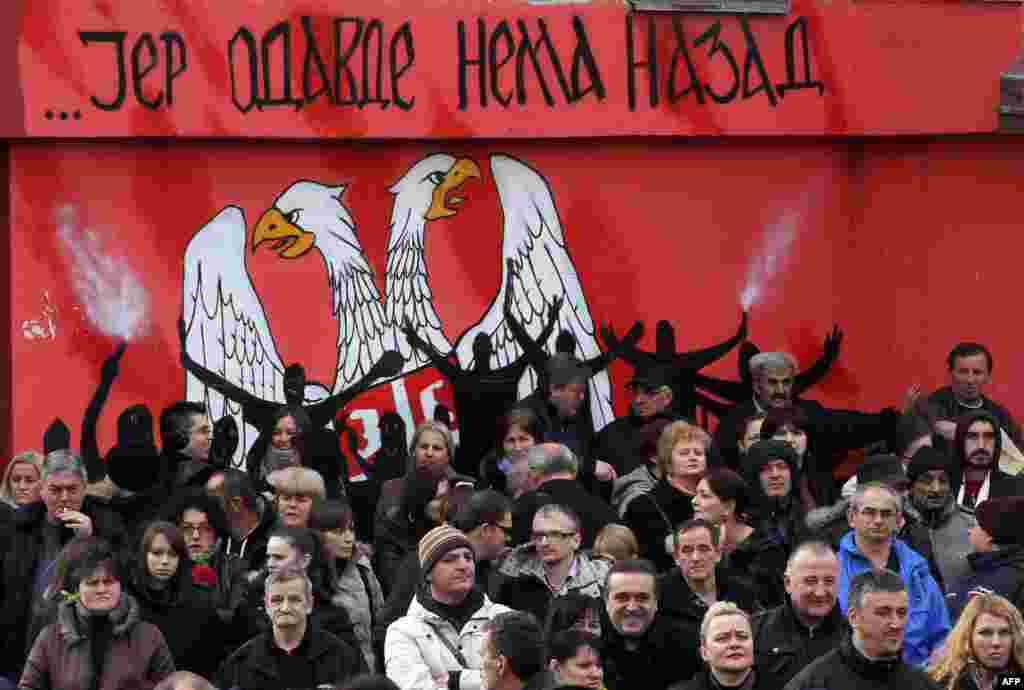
(436,645)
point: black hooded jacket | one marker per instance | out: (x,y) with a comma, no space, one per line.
(1001,484)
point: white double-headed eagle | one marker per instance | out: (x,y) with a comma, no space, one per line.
(228,333)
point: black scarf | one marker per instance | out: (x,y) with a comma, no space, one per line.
(457,615)
(101,632)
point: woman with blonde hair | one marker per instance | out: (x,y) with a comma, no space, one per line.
(297,490)
(22,479)
(987,641)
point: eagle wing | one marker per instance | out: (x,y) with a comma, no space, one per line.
(543,270)
(226,328)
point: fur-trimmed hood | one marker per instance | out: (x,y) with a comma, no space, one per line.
(73,625)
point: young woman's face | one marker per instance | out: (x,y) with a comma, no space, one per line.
(161,559)
(25,483)
(517,438)
(285,431)
(992,641)
(707,505)
(339,543)
(294,509)
(431,450)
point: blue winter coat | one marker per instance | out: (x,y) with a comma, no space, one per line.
(928,618)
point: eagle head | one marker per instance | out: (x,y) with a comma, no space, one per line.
(301,213)
(431,188)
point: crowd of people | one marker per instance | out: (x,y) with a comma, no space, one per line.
(650,553)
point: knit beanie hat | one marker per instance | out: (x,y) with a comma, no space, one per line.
(927,459)
(56,437)
(764,452)
(1000,517)
(437,542)
(881,468)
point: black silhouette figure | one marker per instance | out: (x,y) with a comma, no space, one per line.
(743,390)
(56,437)
(225,441)
(684,366)
(481,394)
(392,459)
(89,448)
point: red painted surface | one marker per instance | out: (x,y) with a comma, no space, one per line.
(886,68)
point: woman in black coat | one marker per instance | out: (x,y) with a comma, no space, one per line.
(159,579)
(682,463)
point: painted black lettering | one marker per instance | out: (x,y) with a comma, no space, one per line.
(246,37)
(583,57)
(341,60)
(501,33)
(632,64)
(714,34)
(313,61)
(754,59)
(281,32)
(373,90)
(465,63)
(141,69)
(172,39)
(808,81)
(403,38)
(682,51)
(527,47)
(117,38)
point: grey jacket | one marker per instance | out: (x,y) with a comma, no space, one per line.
(629,486)
(948,533)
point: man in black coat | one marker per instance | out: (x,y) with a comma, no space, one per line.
(977,446)
(642,648)
(554,475)
(829,431)
(30,542)
(619,442)
(809,625)
(870,657)
(293,654)
(997,563)
(687,591)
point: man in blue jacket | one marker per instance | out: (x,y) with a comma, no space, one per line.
(874,514)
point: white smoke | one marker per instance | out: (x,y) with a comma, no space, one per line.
(770,257)
(113,297)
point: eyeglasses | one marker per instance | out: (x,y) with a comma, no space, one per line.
(872,513)
(554,535)
(202,530)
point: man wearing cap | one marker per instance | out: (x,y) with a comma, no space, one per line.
(930,474)
(829,431)
(997,563)
(978,446)
(874,514)
(619,442)
(437,644)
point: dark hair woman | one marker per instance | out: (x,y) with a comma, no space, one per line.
(160,580)
(98,639)
(350,580)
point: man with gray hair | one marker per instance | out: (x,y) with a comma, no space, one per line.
(879,610)
(553,471)
(34,537)
(830,432)
(874,514)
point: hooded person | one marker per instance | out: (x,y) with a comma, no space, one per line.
(977,447)
(136,470)
(770,468)
(997,563)
(931,473)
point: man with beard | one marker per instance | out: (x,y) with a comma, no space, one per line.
(874,514)
(997,561)
(930,473)
(829,431)
(978,445)
(295,653)
(619,443)
(642,648)
(970,371)
(808,625)
(869,658)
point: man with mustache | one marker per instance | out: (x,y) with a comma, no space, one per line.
(699,581)
(830,432)
(879,608)
(930,473)
(874,515)
(970,372)
(978,445)
(808,625)
(294,653)
(642,648)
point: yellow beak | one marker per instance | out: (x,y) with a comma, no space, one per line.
(290,241)
(445,201)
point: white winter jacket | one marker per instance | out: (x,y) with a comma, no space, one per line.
(416,659)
